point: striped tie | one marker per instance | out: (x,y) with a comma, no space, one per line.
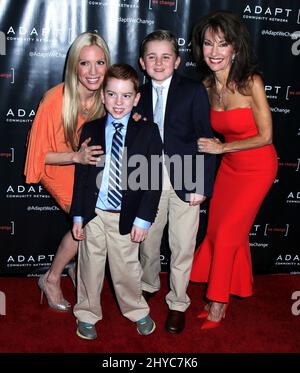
(114,195)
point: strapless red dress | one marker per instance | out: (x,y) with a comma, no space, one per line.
(242,182)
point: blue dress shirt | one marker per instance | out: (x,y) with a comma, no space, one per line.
(102,201)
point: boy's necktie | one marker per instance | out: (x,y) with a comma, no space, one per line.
(158,114)
(114,195)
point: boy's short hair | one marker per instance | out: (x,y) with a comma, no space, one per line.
(122,71)
(159,35)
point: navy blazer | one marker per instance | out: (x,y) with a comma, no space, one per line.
(187,117)
(141,138)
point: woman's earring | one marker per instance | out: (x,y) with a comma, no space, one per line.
(232,58)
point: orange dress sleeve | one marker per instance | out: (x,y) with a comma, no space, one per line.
(47,135)
(42,136)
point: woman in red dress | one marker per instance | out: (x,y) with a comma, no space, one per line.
(240,112)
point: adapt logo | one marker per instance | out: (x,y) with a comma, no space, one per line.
(33,259)
(165,3)
(269,13)
(272,91)
(2,44)
(288,259)
(293,197)
(28,191)
(19,115)
(36,34)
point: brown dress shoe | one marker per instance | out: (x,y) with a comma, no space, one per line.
(147,295)
(175,322)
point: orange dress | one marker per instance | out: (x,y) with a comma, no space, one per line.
(47,135)
(243,180)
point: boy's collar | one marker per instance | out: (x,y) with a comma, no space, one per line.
(165,83)
(124,120)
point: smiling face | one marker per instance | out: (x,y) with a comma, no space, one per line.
(159,60)
(119,97)
(91,68)
(217,52)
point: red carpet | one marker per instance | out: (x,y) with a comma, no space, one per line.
(261,324)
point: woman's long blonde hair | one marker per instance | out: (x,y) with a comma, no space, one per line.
(71,101)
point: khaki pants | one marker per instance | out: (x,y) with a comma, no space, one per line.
(102,238)
(183,227)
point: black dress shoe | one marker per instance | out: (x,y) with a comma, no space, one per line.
(175,322)
(148,295)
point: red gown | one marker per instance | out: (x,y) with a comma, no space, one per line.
(243,180)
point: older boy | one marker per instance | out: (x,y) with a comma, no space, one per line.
(180,108)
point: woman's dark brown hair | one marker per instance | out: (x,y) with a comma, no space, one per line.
(235,33)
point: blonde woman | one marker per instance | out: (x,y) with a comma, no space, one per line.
(53,143)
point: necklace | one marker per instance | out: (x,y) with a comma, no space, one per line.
(220,97)
(84,109)
(220,94)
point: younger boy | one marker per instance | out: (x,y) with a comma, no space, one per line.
(180,108)
(115,220)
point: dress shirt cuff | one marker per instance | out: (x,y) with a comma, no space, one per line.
(141,223)
(77,219)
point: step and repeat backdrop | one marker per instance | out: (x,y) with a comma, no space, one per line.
(34,39)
